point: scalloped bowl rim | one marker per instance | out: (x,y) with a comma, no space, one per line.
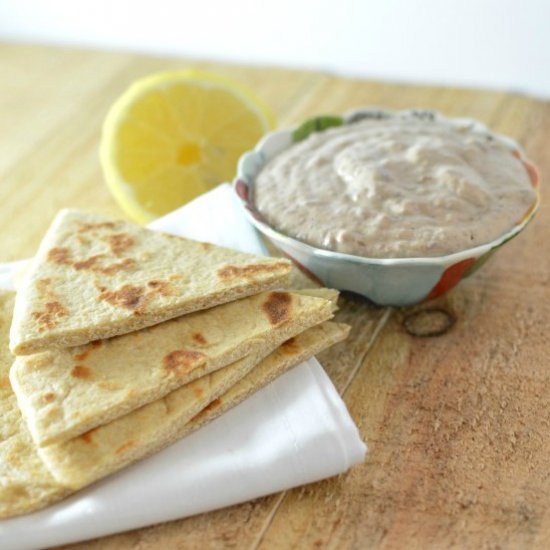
(447,259)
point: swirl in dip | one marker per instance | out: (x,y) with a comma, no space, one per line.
(396,186)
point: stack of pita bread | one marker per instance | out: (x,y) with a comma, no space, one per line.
(126,339)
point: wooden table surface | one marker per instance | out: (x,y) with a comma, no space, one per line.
(458,426)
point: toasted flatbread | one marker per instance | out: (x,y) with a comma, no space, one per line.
(94,277)
(65,393)
(25,483)
(102,451)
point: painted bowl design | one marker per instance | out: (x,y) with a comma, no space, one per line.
(391,281)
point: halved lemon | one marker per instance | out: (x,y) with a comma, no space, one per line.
(174,135)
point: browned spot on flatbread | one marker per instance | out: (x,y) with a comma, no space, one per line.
(164,288)
(128,296)
(278,307)
(210,407)
(247,271)
(199,392)
(119,243)
(290,347)
(85,227)
(50,316)
(59,256)
(81,371)
(199,338)
(136,297)
(125,265)
(182,361)
(88,350)
(83,355)
(125,447)
(19,493)
(206,246)
(62,256)
(90,263)
(48,397)
(87,437)
(5,382)
(93,264)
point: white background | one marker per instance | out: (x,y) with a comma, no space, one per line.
(487,43)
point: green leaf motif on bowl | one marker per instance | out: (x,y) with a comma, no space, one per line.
(315,124)
(480,262)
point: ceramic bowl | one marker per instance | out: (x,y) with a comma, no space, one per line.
(383,281)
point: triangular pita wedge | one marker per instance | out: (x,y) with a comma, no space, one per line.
(94,277)
(64,393)
(109,448)
(25,483)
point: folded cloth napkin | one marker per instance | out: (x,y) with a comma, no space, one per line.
(294,431)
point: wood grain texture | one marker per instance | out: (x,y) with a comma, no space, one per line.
(457,425)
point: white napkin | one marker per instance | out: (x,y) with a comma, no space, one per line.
(294,431)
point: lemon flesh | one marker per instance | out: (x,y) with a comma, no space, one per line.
(173,136)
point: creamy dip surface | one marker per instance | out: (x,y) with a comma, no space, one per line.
(395,187)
